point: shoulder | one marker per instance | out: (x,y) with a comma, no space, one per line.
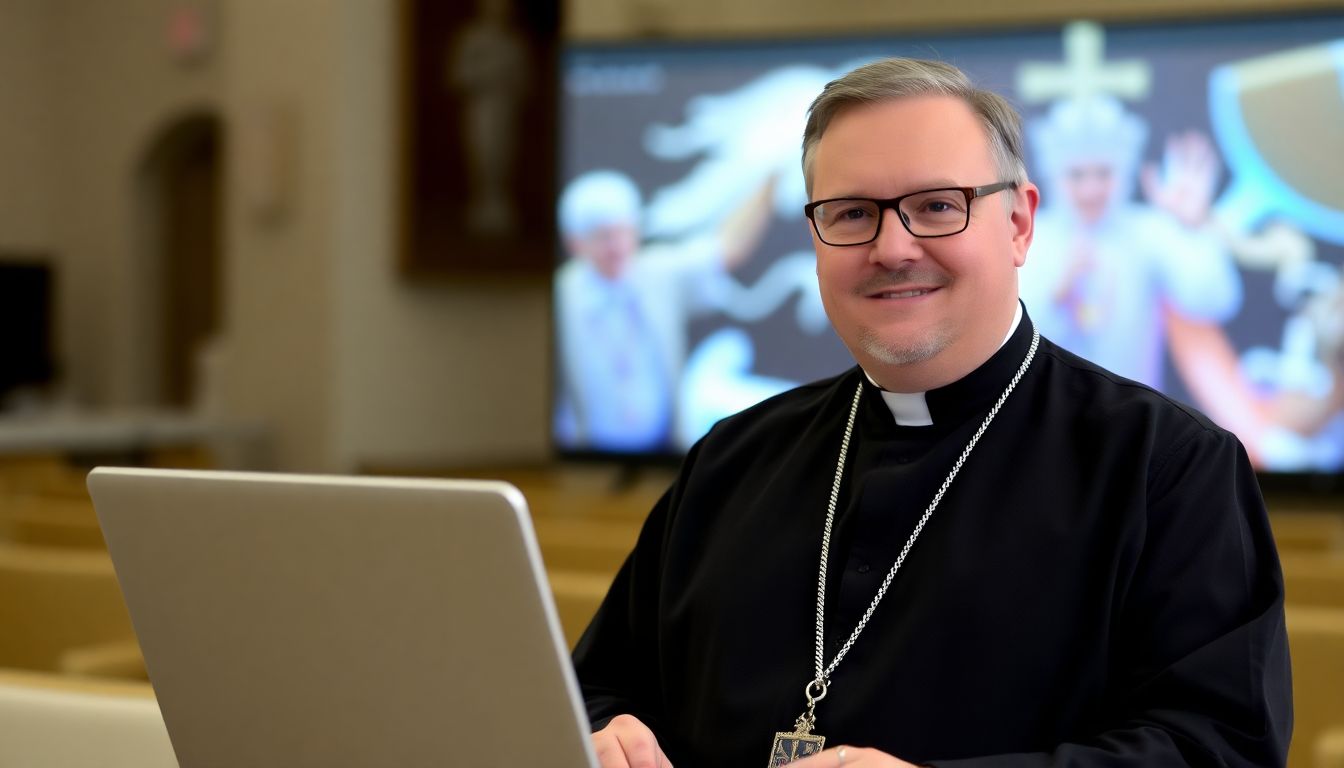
(776,425)
(1132,414)
(788,409)
(1107,394)
(767,446)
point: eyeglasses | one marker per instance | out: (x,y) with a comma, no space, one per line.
(930,213)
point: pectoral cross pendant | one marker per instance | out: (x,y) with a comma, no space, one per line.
(798,744)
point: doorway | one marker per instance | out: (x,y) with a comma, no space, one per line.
(180,182)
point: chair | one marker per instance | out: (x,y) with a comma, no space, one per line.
(49,520)
(62,610)
(599,545)
(1313,579)
(1316,642)
(41,473)
(50,721)
(577,596)
(1329,749)
(1318,532)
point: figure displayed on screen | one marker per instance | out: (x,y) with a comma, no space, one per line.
(1107,268)
(738,140)
(1286,400)
(622,308)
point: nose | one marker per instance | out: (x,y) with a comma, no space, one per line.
(894,244)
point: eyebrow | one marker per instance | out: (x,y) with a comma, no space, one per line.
(939,183)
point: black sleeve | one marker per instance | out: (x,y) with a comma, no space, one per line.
(616,659)
(1200,665)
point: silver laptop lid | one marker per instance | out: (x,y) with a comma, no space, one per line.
(293,620)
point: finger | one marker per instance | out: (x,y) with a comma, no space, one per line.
(640,748)
(615,742)
(829,758)
(609,751)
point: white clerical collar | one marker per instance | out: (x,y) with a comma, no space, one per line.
(911,409)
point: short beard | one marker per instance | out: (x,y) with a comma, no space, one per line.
(913,351)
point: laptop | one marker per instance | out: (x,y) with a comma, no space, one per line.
(303,620)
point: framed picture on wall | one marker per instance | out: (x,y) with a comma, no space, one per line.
(478,189)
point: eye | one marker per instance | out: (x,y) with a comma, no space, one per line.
(935,204)
(846,212)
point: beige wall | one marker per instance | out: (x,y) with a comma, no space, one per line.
(280,91)
(347,363)
(26,123)
(351,364)
(113,89)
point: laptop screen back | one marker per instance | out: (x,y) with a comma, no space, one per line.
(292,620)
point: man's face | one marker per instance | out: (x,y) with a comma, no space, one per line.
(924,311)
(608,247)
(1090,185)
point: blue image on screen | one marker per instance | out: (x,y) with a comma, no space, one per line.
(1191,232)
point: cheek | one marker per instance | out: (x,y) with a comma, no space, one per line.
(826,285)
(836,276)
(826,266)
(832,285)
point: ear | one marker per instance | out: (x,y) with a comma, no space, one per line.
(1022,219)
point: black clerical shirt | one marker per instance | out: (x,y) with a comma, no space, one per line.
(1098,586)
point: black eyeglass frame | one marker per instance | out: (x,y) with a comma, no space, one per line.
(894,203)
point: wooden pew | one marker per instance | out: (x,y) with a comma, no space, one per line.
(577,597)
(49,520)
(62,610)
(1316,642)
(585,544)
(1313,579)
(1314,532)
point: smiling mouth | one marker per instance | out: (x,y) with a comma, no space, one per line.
(910,294)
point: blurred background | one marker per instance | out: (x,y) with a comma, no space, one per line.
(226,240)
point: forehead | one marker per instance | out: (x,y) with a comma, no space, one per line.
(902,145)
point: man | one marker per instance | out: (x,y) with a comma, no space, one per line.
(1107,271)
(1083,569)
(623,310)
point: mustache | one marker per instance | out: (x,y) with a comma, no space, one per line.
(898,278)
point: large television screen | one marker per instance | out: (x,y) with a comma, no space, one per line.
(1191,232)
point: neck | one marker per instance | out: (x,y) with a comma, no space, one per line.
(947,366)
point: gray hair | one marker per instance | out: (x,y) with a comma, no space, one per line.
(597,198)
(896,78)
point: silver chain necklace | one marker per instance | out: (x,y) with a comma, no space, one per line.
(802,742)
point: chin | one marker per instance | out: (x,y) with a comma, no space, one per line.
(886,351)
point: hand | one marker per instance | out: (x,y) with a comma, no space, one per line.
(1186,184)
(852,757)
(628,743)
